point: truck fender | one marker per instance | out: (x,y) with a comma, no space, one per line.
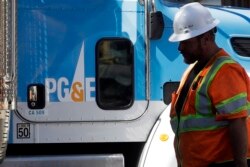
(159,147)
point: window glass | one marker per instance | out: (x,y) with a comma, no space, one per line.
(236,3)
(204,2)
(114,73)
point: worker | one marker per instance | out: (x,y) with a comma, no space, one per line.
(209,111)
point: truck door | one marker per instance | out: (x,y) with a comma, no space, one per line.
(81,60)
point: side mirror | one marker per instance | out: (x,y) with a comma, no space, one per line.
(168,89)
(156,25)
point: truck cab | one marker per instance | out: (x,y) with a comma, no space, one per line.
(90,82)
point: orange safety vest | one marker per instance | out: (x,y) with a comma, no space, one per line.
(202,130)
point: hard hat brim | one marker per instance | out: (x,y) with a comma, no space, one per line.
(182,37)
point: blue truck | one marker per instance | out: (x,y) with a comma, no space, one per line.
(89,82)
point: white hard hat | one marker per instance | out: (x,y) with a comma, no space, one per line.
(192,20)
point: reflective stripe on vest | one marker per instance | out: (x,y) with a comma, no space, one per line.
(234,104)
(194,123)
(202,102)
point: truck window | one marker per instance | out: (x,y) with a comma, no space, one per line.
(114,73)
(237,3)
(204,2)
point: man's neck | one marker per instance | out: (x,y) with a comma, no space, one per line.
(208,55)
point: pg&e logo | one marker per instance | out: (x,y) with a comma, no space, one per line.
(78,91)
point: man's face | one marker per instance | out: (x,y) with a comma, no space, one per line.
(191,50)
